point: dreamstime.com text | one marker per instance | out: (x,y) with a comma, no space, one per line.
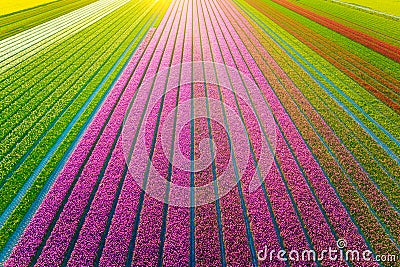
(338,253)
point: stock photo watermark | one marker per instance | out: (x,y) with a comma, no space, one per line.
(240,104)
(338,253)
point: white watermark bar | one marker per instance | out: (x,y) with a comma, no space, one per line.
(338,253)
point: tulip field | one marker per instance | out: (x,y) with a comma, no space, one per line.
(199,133)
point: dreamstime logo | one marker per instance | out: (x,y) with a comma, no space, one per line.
(163,137)
(341,243)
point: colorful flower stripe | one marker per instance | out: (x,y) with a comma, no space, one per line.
(176,247)
(345,179)
(349,63)
(355,106)
(342,152)
(87,245)
(241,64)
(356,132)
(44,79)
(294,131)
(386,49)
(58,138)
(379,25)
(234,225)
(356,167)
(232,232)
(158,45)
(147,235)
(349,125)
(91,136)
(88,177)
(310,169)
(277,215)
(337,59)
(19,135)
(209,251)
(11,50)
(26,74)
(71,170)
(63,104)
(17,22)
(28,78)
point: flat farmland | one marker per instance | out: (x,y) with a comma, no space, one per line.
(199,133)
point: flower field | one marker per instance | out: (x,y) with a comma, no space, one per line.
(199,132)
